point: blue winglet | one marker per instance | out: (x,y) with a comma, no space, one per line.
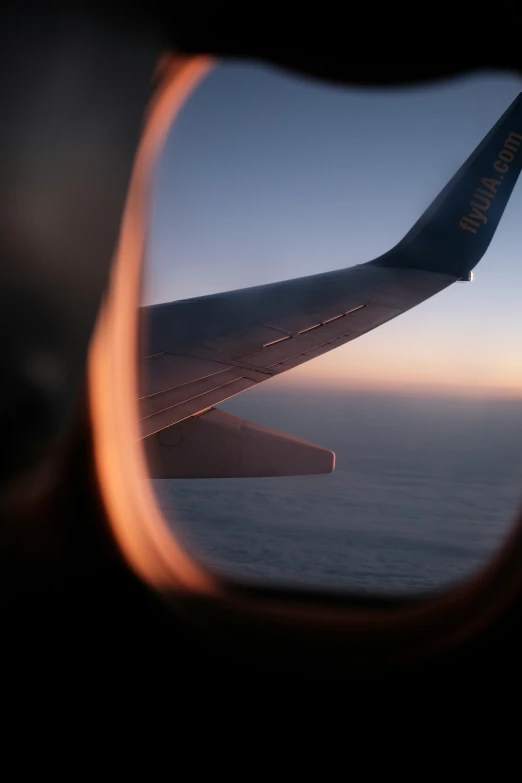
(455,231)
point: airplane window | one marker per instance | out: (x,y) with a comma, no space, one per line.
(295,310)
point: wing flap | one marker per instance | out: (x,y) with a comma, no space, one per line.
(178,412)
(164,371)
(219,445)
(171,398)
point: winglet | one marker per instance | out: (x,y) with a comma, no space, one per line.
(455,231)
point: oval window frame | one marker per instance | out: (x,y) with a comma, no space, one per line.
(305,624)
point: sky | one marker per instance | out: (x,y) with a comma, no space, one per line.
(267,176)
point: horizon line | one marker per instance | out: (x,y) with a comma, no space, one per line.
(479,391)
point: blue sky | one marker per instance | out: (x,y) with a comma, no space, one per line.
(267,176)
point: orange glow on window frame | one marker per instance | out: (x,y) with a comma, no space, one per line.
(149,548)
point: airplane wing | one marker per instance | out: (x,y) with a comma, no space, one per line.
(202,351)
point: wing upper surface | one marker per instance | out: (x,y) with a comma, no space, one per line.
(203,351)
